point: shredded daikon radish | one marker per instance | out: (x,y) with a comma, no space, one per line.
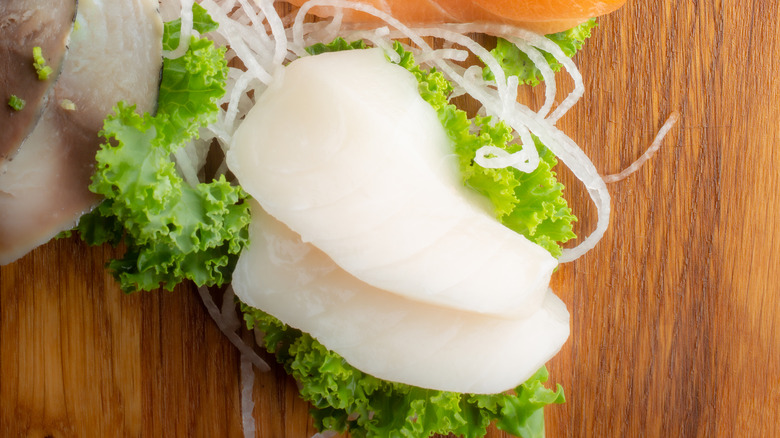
(445,54)
(240,88)
(277,30)
(247,396)
(550,88)
(227,326)
(654,146)
(186,166)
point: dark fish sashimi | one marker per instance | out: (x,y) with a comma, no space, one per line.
(115,55)
(25,24)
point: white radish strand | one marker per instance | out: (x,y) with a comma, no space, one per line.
(654,146)
(225,326)
(332,29)
(550,88)
(185,33)
(247,396)
(239,89)
(444,54)
(277,30)
(233,31)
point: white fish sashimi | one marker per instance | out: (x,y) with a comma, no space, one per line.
(116,54)
(344,151)
(384,334)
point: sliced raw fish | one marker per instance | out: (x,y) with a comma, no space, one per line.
(25,24)
(387,335)
(42,193)
(544,16)
(344,151)
(115,54)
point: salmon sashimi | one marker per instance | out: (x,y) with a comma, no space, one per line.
(344,151)
(542,16)
(549,10)
(388,336)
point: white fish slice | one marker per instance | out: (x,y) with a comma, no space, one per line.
(344,151)
(384,334)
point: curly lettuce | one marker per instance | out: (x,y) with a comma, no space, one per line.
(346,399)
(516,63)
(172,231)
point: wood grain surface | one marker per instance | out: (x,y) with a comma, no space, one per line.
(675,315)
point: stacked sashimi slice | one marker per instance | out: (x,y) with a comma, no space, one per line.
(399,269)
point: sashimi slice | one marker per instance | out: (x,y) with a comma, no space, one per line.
(423,11)
(469,11)
(542,17)
(386,335)
(344,151)
(25,24)
(44,190)
(115,54)
(543,10)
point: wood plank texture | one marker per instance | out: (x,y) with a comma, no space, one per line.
(675,315)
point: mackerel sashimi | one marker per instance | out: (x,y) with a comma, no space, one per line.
(24,26)
(386,335)
(343,150)
(115,53)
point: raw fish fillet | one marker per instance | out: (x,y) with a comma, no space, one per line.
(387,335)
(115,54)
(345,152)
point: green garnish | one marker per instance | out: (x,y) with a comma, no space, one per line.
(39,62)
(67,105)
(172,231)
(516,63)
(16,103)
(345,398)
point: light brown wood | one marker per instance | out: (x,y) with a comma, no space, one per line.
(675,315)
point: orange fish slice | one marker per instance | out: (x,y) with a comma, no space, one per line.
(542,16)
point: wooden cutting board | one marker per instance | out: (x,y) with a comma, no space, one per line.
(675,315)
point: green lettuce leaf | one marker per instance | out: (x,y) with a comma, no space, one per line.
(201,22)
(172,231)
(337,45)
(344,398)
(516,63)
